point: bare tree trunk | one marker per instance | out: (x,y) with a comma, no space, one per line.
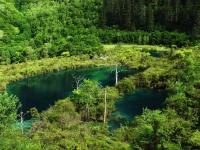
(144,11)
(77,85)
(87,112)
(78,80)
(116,75)
(176,14)
(105,107)
(22,122)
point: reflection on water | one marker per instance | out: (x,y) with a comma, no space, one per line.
(131,105)
(43,90)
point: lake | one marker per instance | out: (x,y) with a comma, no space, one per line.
(44,90)
(132,105)
(41,91)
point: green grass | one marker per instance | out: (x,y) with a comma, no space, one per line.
(133,46)
(14,72)
(128,55)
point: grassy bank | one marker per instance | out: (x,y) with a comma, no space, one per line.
(16,72)
(133,56)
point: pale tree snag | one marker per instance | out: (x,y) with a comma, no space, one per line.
(87,112)
(78,79)
(105,107)
(116,75)
(21,115)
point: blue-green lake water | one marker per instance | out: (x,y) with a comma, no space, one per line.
(132,105)
(42,91)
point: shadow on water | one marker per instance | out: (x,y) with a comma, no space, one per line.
(132,105)
(43,90)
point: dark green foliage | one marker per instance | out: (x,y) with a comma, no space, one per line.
(63,26)
(85,44)
(32,31)
(13,139)
(36,29)
(14,34)
(157,130)
(76,122)
(141,37)
(148,15)
(61,128)
(62,114)
(184,97)
(127,85)
(89,100)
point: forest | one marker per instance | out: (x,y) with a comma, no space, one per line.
(78,62)
(151,15)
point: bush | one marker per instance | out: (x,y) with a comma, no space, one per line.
(85,44)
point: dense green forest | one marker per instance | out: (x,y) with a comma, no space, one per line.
(150,15)
(42,36)
(38,29)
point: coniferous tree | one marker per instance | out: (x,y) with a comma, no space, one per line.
(196,30)
(150,15)
(150,18)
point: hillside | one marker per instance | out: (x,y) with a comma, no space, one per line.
(99,74)
(39,29)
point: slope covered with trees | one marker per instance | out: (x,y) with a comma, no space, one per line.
(77,122)
(39,29)
(36,29)
(150,15)
(14,34)
(41,36)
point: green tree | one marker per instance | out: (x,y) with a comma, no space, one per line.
(89,99)
(157,130)
(8,110)
(195,139)
(86,97)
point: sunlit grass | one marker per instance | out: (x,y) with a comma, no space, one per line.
(133,56)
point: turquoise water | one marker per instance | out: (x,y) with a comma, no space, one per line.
(132,105)
(43,90)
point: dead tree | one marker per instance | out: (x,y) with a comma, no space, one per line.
(78,79)
(21,115)
(116,74)
(105,107)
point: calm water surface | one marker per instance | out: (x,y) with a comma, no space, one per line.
(43,91)
(132,105)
